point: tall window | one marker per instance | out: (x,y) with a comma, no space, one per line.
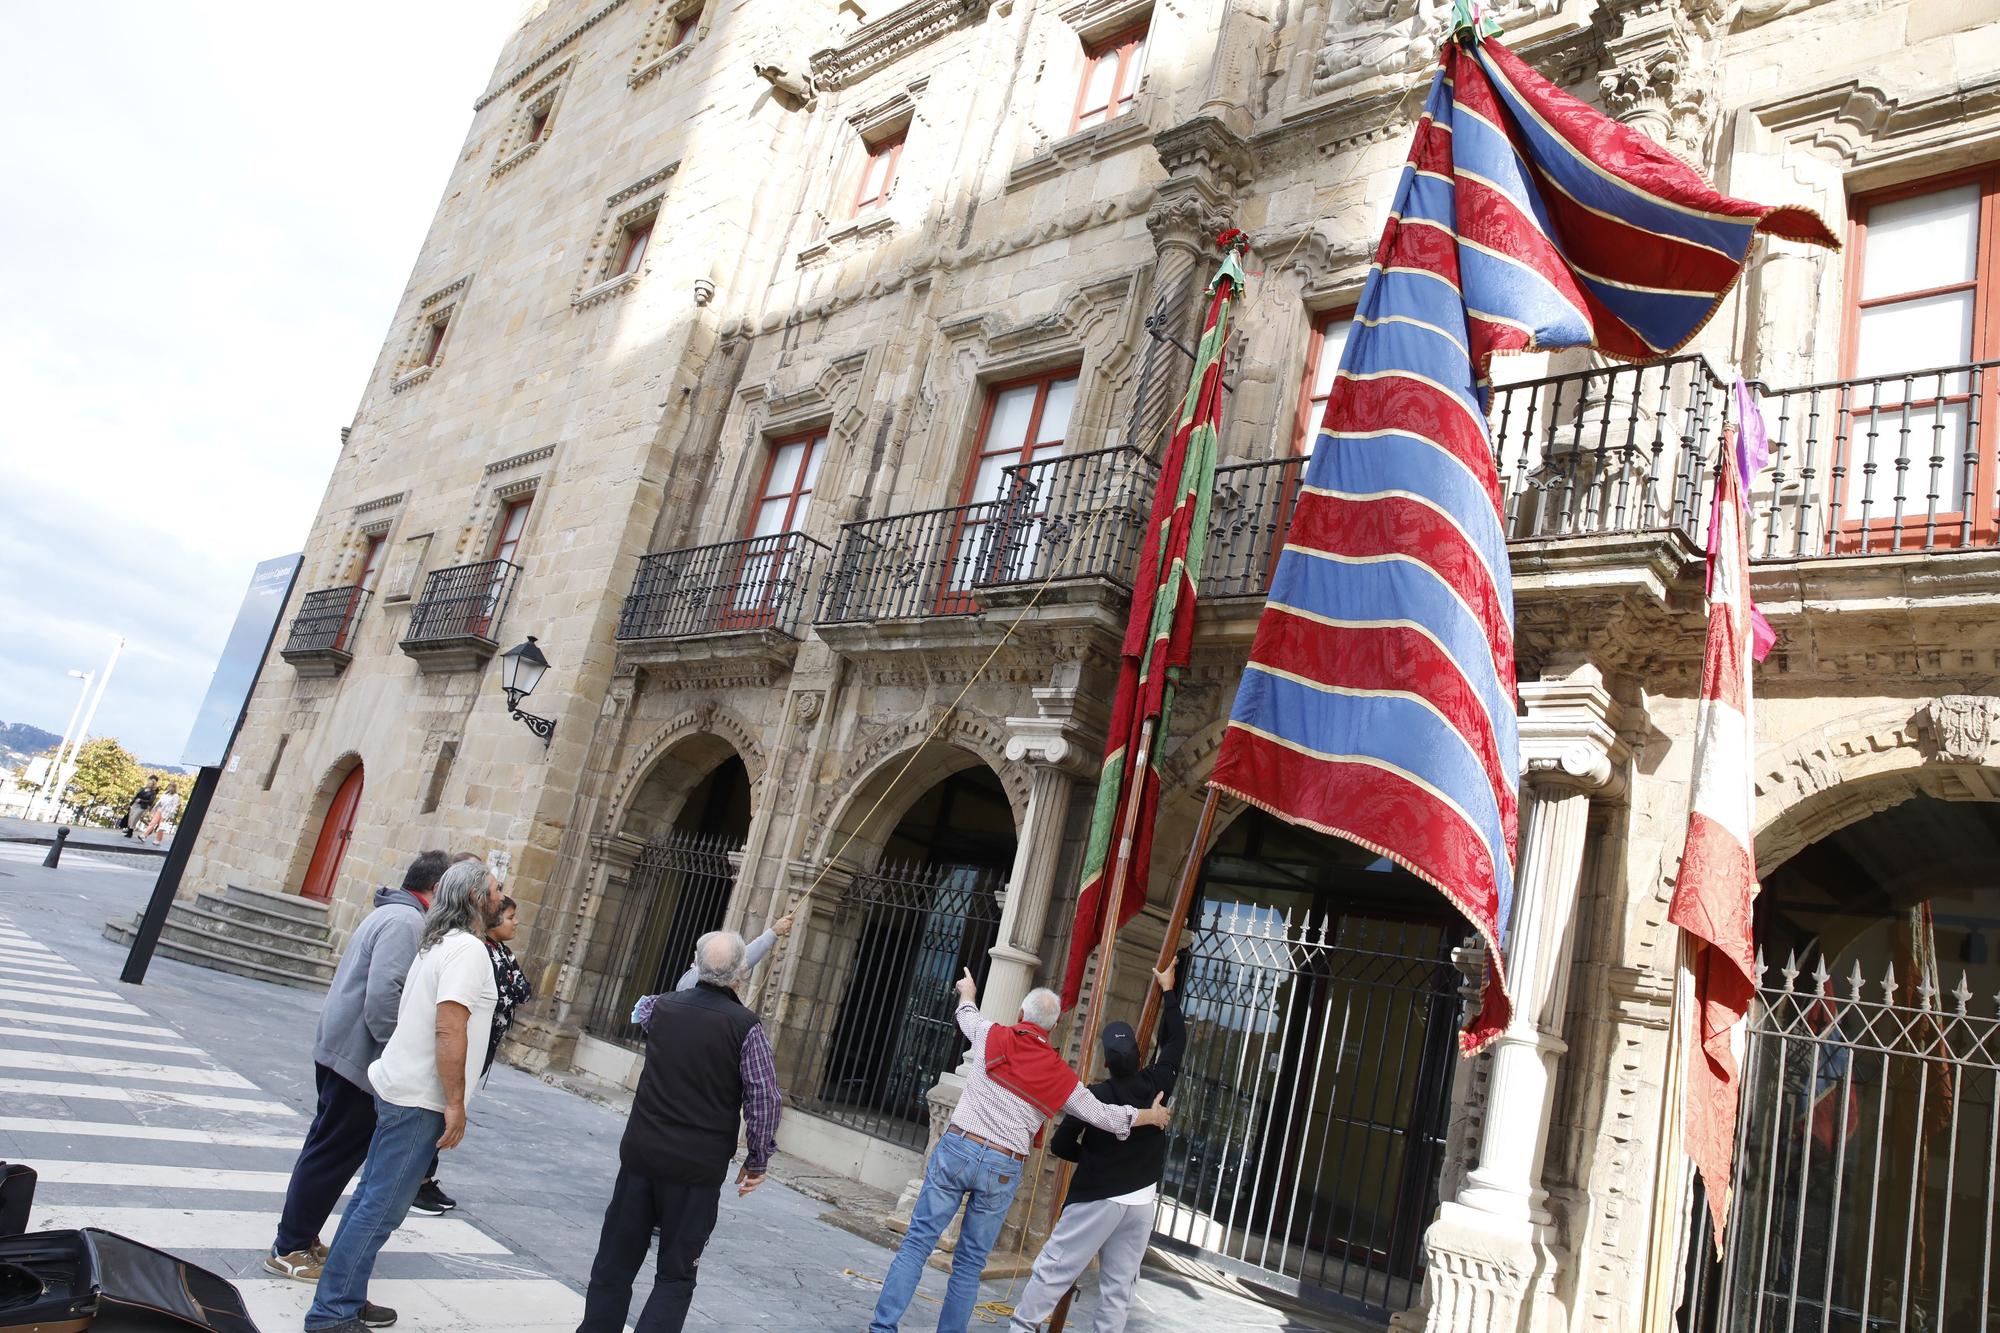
(434,340)
(1922,281)
(538,124)
(790,473)
(1323,350)
(684,27)
(371,564)
(507,534)
(765,573)
(1026,421)
(878,173)
(1112,69)
(632,246)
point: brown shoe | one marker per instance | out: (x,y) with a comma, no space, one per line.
(319,1250)
(299,1265)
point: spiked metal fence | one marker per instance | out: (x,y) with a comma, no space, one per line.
(1868,1152)
(677,891)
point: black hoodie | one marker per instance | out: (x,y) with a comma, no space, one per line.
(1108,1166)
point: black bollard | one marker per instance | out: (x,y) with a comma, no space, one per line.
(54,857)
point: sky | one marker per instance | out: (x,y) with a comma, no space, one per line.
(210,213)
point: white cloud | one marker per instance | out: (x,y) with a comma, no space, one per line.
(211,212)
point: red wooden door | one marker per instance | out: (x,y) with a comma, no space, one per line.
(334,833)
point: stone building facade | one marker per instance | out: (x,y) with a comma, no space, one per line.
(792,373)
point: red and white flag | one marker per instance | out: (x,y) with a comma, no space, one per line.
(1718,874)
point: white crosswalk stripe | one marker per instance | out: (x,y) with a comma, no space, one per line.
(69,1046)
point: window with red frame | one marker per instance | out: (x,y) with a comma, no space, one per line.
(1324,345)
(784,497)
(684,29)
(1025,421)
(507,533)
(1112,69)
(434,341)
(371,561)
(878,174)
(632,246)
(790,473)
(1923,265)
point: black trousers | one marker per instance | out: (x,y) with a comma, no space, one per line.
(685,1215)
(333,1152)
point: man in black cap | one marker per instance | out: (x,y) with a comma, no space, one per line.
(1108,1213)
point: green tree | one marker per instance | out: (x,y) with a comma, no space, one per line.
(101,786)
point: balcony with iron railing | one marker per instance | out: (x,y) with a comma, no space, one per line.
(322,639)
(722,599)
(1063,536)
(1584,460)
(455,619)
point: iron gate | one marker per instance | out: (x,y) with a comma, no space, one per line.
(877,1028)
(1309,1124)
(677,892)
(1867,1153)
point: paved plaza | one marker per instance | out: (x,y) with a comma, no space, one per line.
(171,1112)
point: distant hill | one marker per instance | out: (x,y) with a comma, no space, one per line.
(20,742)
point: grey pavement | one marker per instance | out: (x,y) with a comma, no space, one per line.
(531,1178)
(15,829)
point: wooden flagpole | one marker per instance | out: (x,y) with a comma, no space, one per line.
(1170,944)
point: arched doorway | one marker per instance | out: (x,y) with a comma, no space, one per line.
(336,830)
(1868,1144)
(877,1028)
(677,890)
(1322,1009)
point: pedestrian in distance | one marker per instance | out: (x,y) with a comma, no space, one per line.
(355,1023)
(753,954)
(1015,1082)
(707,1063)
(142,805)
(424,1081)
(164,809)
(1108,1212)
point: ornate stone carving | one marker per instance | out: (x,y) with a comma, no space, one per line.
(1367,39)
(806,704)
(1664,94)
(891,38)
(1960,726)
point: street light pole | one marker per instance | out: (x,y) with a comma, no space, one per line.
(44,802)
(90,714)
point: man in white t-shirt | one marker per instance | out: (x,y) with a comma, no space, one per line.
(422,1082)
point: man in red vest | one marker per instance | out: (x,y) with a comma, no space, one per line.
(1016,1081)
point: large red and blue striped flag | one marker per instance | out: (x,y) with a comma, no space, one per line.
(1378,702)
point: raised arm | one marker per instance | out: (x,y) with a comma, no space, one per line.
(1166,1066)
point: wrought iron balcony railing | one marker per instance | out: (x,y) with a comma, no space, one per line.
(1619,449)
(1880,465)
(1073,517)
(756,583)
(327,620)
(465,602)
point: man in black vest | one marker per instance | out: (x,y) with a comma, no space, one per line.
(707,1062)
(1108,1212)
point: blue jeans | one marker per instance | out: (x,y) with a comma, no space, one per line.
(398,1156)
(960,1171)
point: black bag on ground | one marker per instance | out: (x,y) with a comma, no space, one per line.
(96,1282)
(17,1195)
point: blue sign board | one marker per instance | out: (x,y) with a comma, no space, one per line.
(229,688)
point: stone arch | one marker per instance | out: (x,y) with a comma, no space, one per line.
(1845,770)
(306,832)
(691,737)
(886,776)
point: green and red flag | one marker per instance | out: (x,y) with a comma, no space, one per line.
(1158,635)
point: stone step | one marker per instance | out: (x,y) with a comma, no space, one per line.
(216,917)
(121,932)
(184,928)
(255,915)
(278,904)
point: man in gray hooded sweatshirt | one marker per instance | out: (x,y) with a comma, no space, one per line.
(354,1026)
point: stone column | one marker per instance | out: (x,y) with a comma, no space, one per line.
(1494,1250)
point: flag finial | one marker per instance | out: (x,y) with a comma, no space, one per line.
(1470,17)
